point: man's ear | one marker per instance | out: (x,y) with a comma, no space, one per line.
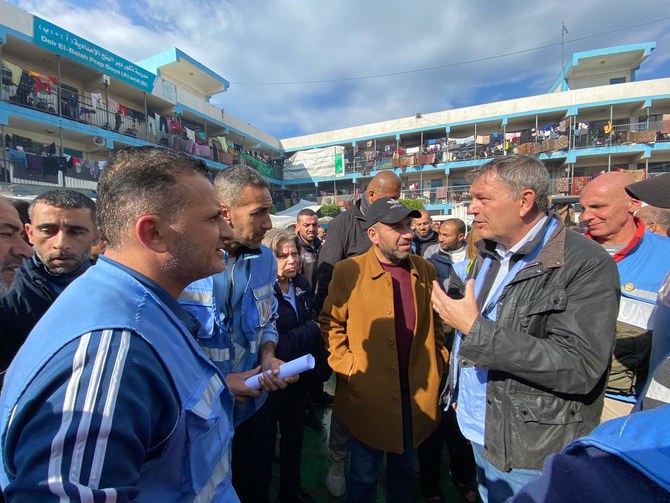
(527,202)
(29,232)
(151,232)
(373,235)
(226,213)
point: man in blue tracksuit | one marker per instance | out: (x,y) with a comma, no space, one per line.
(110,398)
(237,311)
(642,261)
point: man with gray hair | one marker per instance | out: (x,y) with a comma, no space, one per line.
(536,329)
(657,220)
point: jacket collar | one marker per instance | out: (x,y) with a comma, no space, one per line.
(430,237)
(314,247)
(551,256)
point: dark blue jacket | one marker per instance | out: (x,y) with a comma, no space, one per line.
(33,292)
(299,334)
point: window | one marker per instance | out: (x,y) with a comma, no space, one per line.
(618,80)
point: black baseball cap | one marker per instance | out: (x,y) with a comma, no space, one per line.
(653,191)
(388,210)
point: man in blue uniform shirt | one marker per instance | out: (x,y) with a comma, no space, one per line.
(237,311)
(110,398)
(642,260)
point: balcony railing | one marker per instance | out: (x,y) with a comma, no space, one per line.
(95,110)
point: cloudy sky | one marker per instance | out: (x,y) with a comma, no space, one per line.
(304,66)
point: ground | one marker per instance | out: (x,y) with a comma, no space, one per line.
(315,464)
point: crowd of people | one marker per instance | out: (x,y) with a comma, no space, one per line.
(143,337)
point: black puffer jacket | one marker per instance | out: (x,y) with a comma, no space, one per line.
(548,351)
(33,292)
(347,237)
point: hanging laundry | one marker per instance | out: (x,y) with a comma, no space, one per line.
(34,164)
(16,71)
(96,100)
(113,105)
(190,134)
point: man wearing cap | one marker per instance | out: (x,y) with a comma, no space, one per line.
(388,354)
(656,192)
(642,260)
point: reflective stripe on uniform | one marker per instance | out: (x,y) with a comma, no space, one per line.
(217,354)
(204,406)
(202,297)
(218,475)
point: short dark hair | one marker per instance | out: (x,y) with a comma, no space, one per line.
(457,223)
(21,207)
(518,173)
(65,199)
(231,182)
(139,181)
(306,212)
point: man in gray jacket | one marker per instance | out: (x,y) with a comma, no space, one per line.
(536,329)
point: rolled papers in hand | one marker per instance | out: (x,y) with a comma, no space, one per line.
(288,369)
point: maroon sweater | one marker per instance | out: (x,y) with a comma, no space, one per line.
(405,316)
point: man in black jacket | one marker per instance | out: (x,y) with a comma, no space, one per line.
(307,224)
(424,235)
(536,329)
(62,229)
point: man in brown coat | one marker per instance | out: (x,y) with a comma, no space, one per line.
(387,348)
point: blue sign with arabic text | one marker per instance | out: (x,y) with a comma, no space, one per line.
(73,47)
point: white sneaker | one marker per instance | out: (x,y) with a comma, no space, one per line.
(335,480)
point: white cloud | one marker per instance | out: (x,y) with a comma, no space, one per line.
(297,41)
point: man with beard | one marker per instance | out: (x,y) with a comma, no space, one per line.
(424,235)
(451,241)
(388,354)
(110,398)
(347,237)
(62,229)
(13,249)
(237,310)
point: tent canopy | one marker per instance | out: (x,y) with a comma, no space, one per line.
(288,217)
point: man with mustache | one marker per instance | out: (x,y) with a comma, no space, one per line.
(237,310)
(13,249)
(62,229)
(388,354)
